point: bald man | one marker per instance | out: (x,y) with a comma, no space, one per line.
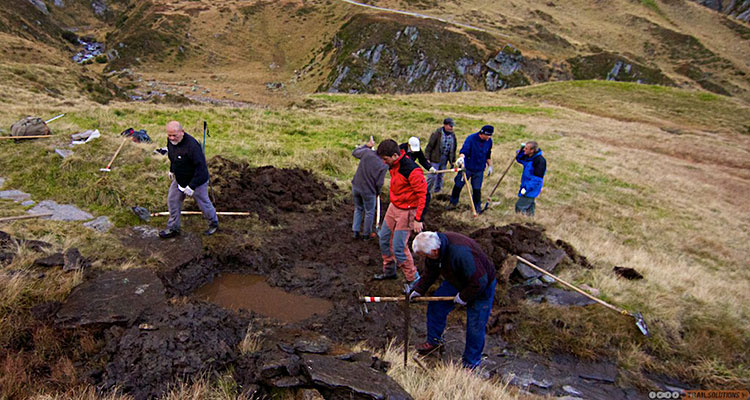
(189,175)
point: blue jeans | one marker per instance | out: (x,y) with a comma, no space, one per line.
(476,178)
(477,315)
(363,204)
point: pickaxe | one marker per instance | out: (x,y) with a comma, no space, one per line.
(407,314)
(487,204)
(639,321)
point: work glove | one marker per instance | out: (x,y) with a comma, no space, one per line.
(188,191)
(458,300)
(523,191)
(489,170)
(170,174)
(433,170)
(460,162)
(413,294)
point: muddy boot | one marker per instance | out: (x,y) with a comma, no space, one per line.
(169,233)
(212,228)
(388,273)
(427,348)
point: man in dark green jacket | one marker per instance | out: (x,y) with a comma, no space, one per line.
(440,150)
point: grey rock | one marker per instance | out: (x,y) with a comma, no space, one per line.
(562,297)
(351,379)
(15,195)
(99,7)
(571,390)
(64,153)
(61,212)
(54,260)
(545,278)
(28,203)
(39,4)
(145,231)
(526,271)
(313,346)
(506,62)
(111,299)
(59,3)
(2,181)
(287,382)
(526,380)
(74,261)
(101,224)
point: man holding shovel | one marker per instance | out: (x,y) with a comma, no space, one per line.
(189,175)
(474,157)
(408,194)
(469,275)
(532,179)
(366,186)
(440,150)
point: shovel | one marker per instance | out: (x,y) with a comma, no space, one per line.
(146,215)
(639,321)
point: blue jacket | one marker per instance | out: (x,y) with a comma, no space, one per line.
(534,168)
(477,152)
(462,263)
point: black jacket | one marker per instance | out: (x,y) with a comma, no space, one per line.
(415,155)
(188,164)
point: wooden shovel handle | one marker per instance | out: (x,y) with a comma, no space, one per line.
(16,218)
(471,197)
(372,299)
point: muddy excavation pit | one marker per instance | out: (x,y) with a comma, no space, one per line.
(291,292)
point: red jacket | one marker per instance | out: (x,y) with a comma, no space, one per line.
(408,186)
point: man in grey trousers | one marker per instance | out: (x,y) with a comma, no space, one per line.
(366,185)
(189,175)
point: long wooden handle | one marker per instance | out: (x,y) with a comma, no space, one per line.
(471,197)
(25,217)
(501,178)
(27,137)
(441,171)
(166,213)
(372,299)
(596,299)
(117,152)
(377,217)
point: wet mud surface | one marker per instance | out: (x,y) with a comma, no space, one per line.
(309,252)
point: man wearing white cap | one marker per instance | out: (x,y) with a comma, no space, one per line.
(414,152)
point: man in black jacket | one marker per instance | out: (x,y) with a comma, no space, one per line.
(189,175)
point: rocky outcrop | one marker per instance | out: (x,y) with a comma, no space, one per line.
(739,9)
(615,67)
(380,54)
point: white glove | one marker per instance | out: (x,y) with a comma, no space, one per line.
(458,300)
(460,162)
(523,144)
(170,174)
(413,294)
(433,170)
(187,190)
(523,191)
(489,170)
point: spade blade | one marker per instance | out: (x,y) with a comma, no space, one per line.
(141,212)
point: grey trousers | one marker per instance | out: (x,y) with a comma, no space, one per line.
(175,198)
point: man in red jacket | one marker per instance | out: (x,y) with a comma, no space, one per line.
(408,194)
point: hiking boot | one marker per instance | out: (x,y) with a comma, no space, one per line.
(169,233)
(384,276)
(450,206)
(410,285)
(369,237)
(355,235)
(426,348)
(211,229)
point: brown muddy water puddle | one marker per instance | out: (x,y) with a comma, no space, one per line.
(251,292)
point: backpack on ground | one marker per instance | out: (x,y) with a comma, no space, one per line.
(29,126)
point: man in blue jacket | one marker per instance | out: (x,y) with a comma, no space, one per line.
(474,157)
(189,175)
(532,179)
(469,275)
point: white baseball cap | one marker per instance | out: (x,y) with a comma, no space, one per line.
(414,143)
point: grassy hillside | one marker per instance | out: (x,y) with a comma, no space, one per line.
(638,176)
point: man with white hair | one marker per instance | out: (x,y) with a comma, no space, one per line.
(189,175)
(469,275)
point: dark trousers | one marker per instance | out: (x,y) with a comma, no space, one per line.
(525,205)
(175,198)
(476,178)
